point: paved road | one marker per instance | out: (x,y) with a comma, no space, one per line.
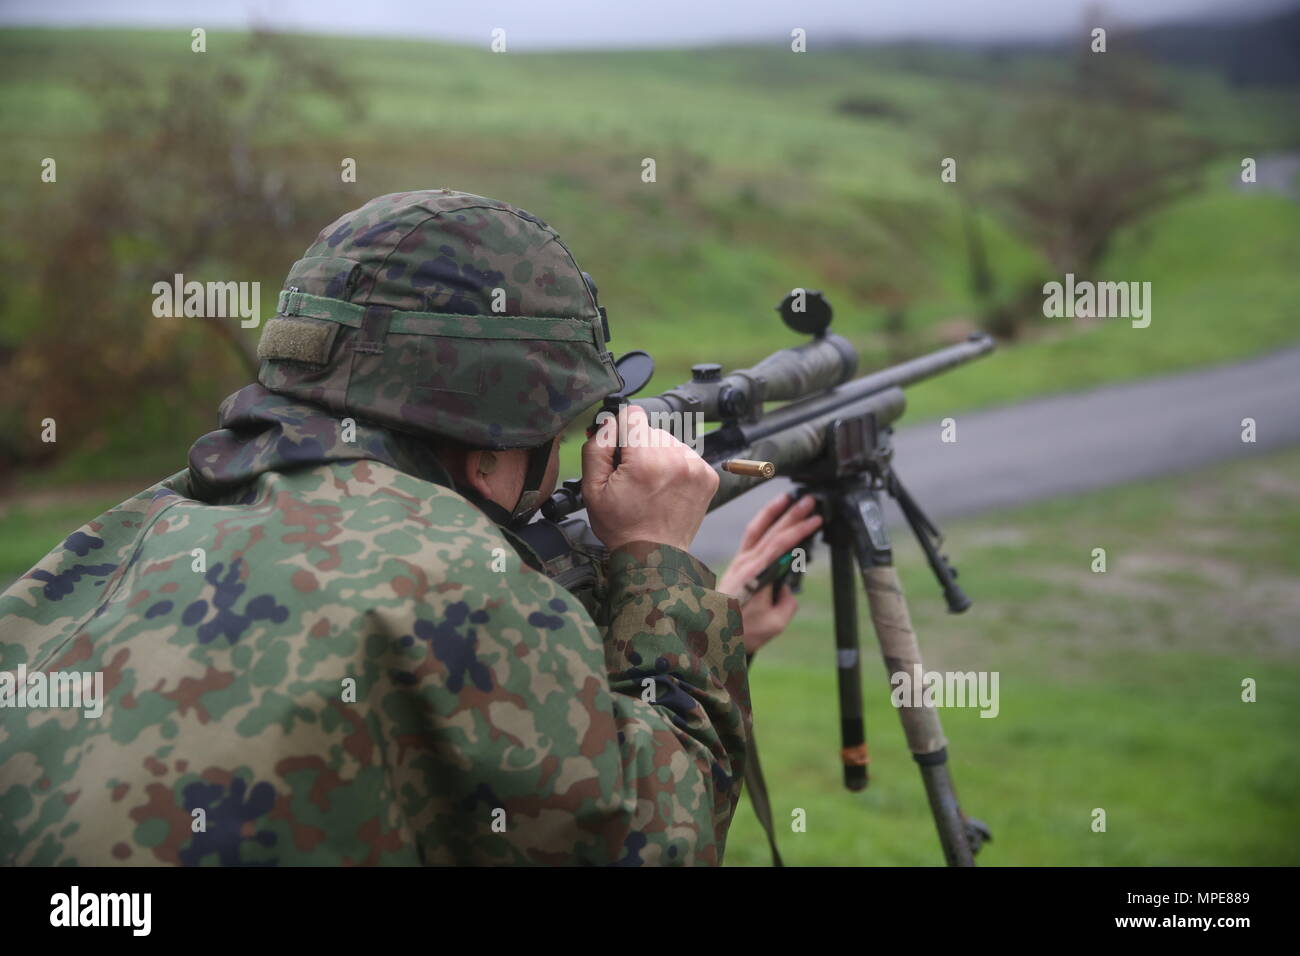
(1069,443)
(1276,172)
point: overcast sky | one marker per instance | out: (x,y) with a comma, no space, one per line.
(550,24)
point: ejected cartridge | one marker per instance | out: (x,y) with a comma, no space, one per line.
(750,469)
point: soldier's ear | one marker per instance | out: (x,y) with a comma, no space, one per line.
(478,466)
(496,475)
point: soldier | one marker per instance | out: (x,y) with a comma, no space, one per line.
(325,642)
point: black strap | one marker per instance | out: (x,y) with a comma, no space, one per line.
(501,518)
(530,496)
(932,759)
(757,787)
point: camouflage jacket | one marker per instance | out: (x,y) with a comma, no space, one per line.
(315,651)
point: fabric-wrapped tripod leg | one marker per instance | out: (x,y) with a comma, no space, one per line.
(921,726)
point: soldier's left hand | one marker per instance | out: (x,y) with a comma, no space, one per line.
(777,528)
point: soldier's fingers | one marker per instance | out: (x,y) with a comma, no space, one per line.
(759,524)
(779,542)
(665,439)
(598,453)
(636,431)
(795,515)
(702,469)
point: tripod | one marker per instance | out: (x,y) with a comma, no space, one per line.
(847,480)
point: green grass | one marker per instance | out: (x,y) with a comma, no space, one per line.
(1119,690)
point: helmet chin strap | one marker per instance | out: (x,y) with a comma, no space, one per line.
(530,497)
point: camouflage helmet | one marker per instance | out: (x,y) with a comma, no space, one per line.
(444,314)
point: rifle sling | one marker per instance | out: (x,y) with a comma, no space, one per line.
(758,798)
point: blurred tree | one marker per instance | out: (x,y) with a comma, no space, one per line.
(186,178)
(1088,169)
(1065,168)
(1100,153)
(963,134)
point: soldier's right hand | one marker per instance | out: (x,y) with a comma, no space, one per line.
(660,491)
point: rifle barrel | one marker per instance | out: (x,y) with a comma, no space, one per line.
(896,376)
(794,434)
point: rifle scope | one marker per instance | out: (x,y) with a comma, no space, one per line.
(784,376)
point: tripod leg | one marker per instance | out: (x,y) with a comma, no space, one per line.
(921,727)
(848,663)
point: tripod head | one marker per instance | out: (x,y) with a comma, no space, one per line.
(858,452)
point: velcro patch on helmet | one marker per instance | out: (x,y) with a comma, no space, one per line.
(297,340)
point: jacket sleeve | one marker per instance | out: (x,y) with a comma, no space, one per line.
(525,734)
(676,661)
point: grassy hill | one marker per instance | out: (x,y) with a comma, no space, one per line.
(774,170)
